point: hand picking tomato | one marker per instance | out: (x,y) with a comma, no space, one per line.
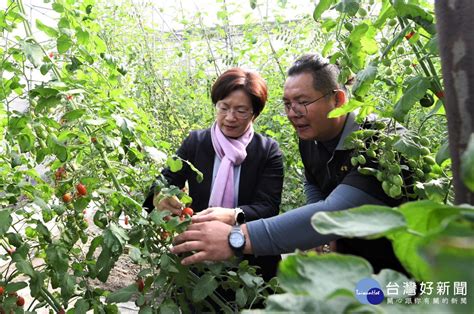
(188,211)
(81,189)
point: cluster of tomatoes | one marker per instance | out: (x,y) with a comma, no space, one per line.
(20,301)
(81,191)
(80,187)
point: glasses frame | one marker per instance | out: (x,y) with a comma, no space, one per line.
(233,111)
(300,113)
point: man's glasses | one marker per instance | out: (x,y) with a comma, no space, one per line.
(299,108)
(239,113)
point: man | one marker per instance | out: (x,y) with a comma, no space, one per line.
(311,91)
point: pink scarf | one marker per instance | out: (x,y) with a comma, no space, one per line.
(232,153)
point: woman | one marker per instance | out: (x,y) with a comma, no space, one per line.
(242,169)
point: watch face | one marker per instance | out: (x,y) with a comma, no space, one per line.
(236,239)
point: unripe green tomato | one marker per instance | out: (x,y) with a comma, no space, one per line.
(424,141)
(419,173)
(425,151)
(397,179)
(427,101)
(386,185)
(371,153)
(380,176)
(354,161)
(384,40)
(362,12)
(395,191)
(349,26)
(386,62)
(84,238)
(406,62)
(400,50)
(426,168)
(388,72)
(412,163)
(361,159)
(379,125)
(429,160)
(408,71)
(394,169)
(390,155)
(392,22)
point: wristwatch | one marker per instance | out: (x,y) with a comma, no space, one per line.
(239,216)
(237,241)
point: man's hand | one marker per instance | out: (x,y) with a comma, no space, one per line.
(168,203)
(225,215)
(207,239)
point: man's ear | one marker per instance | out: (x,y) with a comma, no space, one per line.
(340,97)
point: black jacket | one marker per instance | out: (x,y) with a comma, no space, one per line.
(326,171)
(261,182)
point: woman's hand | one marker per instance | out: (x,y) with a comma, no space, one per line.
(225,215)
(171,203)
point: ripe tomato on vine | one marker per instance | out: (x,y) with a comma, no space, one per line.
(81,189)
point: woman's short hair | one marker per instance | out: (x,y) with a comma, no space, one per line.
(239,79)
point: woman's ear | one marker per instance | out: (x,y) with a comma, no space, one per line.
(340,97)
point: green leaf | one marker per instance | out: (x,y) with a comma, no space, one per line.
(293,303)
(405,145)
(64,42)
(364,221)
(327,48)
(241,297)
(175,164)
(416,89)
(364,80)
(57,257)
(415,13)
(199,175)
(67,286)
(81,306)
(15,286)
(204,287)
(322,6)
(169,307)
(352,105)
(74,114)
(122,295)
(50,31)
(82,36)
(33,52)
(467,164)
(350,7)
(253,4)
(443,152)
(5,221)
(61,152)
(58,7)
(424,219)
(304,274)
(26,141)
(25,268)
(45,67)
